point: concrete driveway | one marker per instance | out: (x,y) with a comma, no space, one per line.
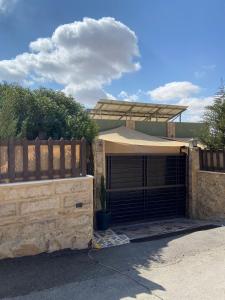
(183,267)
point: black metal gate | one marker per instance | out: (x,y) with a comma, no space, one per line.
(145,187)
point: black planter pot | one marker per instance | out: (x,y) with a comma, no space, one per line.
(103,220)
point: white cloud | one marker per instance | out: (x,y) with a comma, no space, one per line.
(82,56)
(209,67)
(199,74)
(196,106)
(174,90)
(138,96)
(87,94)
(41,44)
(6,5)
(182,93)
(204,70)
(123,94)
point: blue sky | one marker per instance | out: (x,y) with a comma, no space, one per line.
(167,51)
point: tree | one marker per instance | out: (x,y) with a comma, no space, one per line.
(42,112)
(213,134)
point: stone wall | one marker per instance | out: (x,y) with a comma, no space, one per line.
(45,216)
(99,170)
(210,202)
(192,181)
(206,190)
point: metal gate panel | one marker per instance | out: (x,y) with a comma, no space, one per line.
(145,187)
(125,172)
(126,206)
(165,202)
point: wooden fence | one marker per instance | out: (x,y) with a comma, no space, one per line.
(211,160)
(24,160)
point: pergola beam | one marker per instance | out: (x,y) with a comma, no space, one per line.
(132,114)
(125,114)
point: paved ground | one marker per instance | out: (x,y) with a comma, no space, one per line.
(179,268)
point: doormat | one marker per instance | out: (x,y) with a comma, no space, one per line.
(108,238)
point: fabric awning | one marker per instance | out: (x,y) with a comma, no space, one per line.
(127,136)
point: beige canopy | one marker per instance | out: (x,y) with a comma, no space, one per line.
(124,135)
(125,140)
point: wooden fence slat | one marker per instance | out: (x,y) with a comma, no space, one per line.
(50,158)
(38,159)
(83,157)
(62,158)
(211,167)
(37,173)
(25,159)
(201,159)
(73,158)
(224,160)
(11,159)
(0,162)
(206,159)
(217,160)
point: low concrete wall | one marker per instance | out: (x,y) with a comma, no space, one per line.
(45,216)
(180,129)
(210,202)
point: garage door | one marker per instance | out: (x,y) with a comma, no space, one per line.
(145,187)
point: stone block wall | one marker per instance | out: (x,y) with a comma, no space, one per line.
(99,170)
(194,166)
(210,202)
(206,191)
(45,216)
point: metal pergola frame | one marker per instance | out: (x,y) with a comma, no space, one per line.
(137,111)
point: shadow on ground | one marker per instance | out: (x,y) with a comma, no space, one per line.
(22,276)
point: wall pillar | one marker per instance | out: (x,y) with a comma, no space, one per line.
(99,170)
(130,124)
(171,129)
(194,167)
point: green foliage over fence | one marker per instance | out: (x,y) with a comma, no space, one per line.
(42,113)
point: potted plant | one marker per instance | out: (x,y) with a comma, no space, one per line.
(103,216)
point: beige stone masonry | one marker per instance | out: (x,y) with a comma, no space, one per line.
(211,195)
(7,210)
(99,169)
(193,184)
(171,129)
(206,191)
(45,216)
(130,124)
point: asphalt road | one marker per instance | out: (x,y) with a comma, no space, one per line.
(185,267)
